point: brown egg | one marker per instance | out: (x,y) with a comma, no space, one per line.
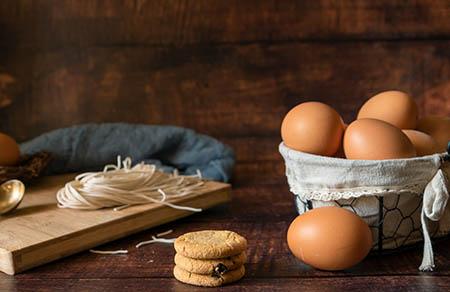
(313,127)
(329,238)
(369,139)
(424,143)
(9,151)
(438,128)
(340,153)
(394,107)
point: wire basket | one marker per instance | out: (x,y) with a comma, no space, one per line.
(404,228)
(403,200)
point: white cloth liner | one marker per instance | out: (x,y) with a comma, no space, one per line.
(313,177)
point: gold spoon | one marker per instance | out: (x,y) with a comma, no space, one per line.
(11,194)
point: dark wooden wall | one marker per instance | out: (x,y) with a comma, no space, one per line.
(230,69)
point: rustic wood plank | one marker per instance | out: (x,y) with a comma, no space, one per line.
(65,23)
(224,91)
(269,260)
(230,69)
(38,231)
(252,149)
(259,173)
(262,214)
(258,161)
(387,283)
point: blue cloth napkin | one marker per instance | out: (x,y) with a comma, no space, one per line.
(89,147)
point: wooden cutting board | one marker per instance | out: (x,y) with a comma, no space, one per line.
(39,232)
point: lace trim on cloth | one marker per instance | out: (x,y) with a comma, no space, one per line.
(425,176)
(348,193)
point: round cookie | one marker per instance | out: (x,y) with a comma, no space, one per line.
(210,267)
(207,281)
(210,244)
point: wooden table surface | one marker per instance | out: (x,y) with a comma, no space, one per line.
(262,213)
(230,69)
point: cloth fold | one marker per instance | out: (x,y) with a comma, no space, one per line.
(327,179)
(91,146)
(435,198)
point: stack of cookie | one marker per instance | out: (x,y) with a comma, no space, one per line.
(210,258)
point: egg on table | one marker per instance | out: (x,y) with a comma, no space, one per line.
(423,143)
(329,238)
(313,127)
(370,139)
(394,107)
(9,151)
(438,128)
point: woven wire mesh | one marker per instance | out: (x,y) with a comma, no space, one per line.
(394,219)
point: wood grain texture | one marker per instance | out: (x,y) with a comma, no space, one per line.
(38,231)
(270,264)
(65,23)
(388,283)
(230,69)
(221,90)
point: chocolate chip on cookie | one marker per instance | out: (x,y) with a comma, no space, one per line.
(211,266)
(208,281)
(210,258)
